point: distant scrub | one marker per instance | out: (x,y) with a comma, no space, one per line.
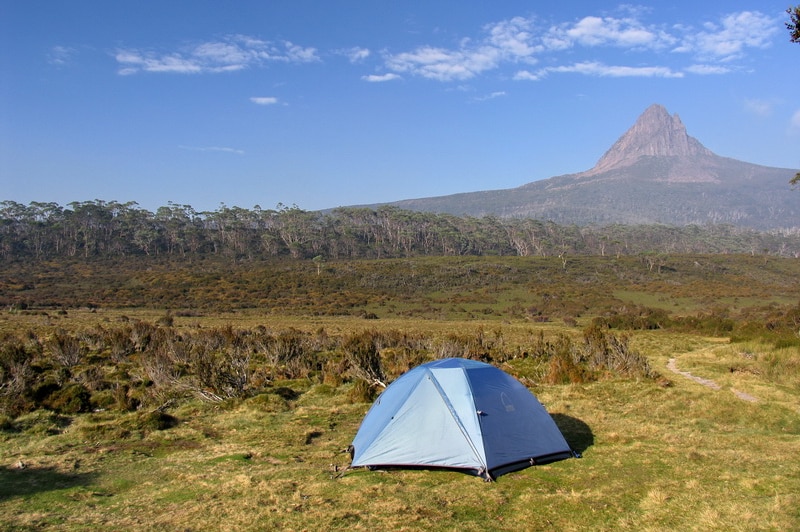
(778,326)
(634,317)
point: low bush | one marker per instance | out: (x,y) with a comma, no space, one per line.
(363,355)
(73,398)
(361,391)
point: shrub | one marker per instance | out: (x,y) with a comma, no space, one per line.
(6,423)
(361,352)
(565,363)
(221,375)
(270,402)
(157,420)
(609,353)
(474,346)
(16,376)
(600,354)
(167,320)
(65,349)
(103,400)
(333,372)
(289,352)
(362,391)
(634,317)
(72,399)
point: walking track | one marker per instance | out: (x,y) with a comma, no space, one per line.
(672,366)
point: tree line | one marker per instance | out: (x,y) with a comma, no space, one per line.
(98,228)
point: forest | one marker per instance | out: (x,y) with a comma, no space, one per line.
(98,228)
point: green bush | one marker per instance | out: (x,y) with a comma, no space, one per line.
(6,423)
(157,420)
(269,402)
(71,399)
(361,391)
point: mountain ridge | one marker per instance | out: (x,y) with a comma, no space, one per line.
(655,173)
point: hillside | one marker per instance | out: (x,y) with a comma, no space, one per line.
(655,173)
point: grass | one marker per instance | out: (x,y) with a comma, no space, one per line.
(682,456)
(663,454)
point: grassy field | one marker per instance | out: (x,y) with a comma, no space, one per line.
(709,445)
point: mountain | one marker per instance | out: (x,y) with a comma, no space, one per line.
(654,173)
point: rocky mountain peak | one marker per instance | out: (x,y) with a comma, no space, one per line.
(655,133)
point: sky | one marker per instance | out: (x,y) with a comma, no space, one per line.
(329,103)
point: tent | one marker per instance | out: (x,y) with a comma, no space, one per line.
(462,414)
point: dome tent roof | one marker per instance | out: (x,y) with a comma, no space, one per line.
(460,414)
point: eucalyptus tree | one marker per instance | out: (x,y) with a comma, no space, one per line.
(793,25)
(297,229)
(13,228)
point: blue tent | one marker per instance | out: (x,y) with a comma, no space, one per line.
(461,414)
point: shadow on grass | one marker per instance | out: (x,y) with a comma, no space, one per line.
(16,482)
(578,434)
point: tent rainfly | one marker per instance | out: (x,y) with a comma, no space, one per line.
(462,414)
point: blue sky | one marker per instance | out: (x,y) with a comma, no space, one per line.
(330,103)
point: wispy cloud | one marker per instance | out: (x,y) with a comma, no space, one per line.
(235,52)
(728,39)
(264,100)
(60,55)
(356,54)
(490,96)
(222,149)
(796,120)
(380,78)
(520,41)
(712,48)
(607,31)
(506,41)
(594,68)
(705,70)
(759,107)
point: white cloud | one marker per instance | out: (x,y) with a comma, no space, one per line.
(518,40)
(264,100)
(235,52)
(707,69)
(222,149)
(758,107)
(509,40)
(526,75)
(60,55)
(438,63)
(378,78)
(595,68)
(606,31)
(300,54)
(796,119)
(513,38)
(728,39)
(356,54)
(491,96)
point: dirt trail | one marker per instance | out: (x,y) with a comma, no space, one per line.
(672,366)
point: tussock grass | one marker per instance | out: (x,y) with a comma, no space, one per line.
(678,457)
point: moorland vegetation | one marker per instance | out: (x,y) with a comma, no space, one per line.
(216,389)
